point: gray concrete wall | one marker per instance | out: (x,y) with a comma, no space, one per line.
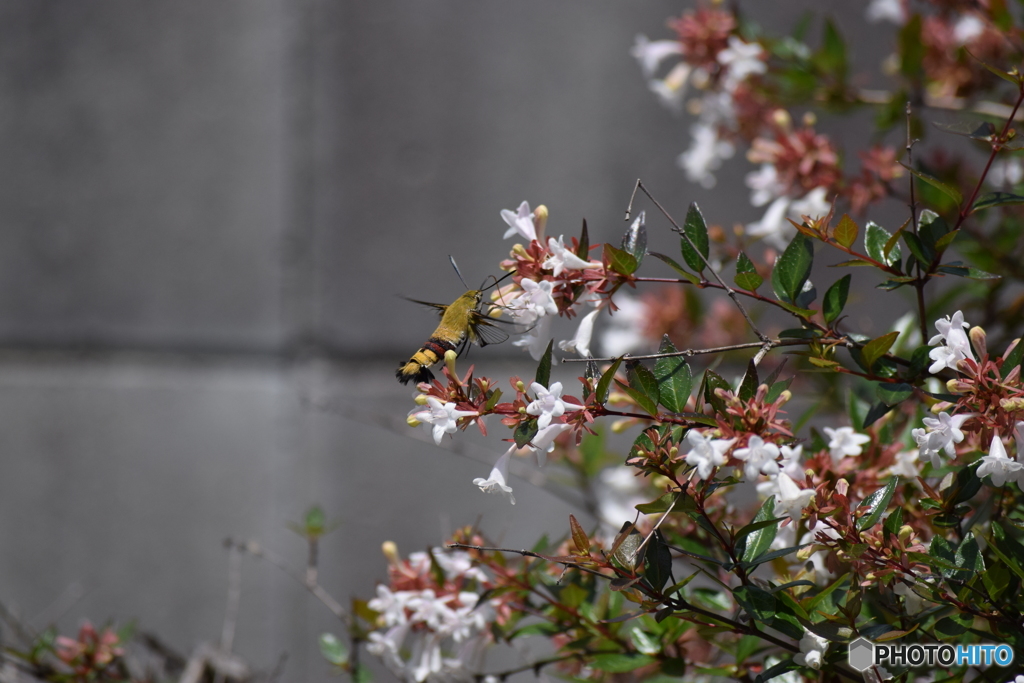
(207,210)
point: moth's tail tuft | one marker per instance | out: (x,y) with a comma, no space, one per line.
(409,371)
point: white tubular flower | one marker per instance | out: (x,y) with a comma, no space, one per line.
(741,60)
(844,441)
(790,463)
(814,204)
(651,53)
(997,465)
(942,435)
(906,464)
(496,482)
(544,442)
(957,346)
(791,499)
(440,419)
(812,649)
(536,301)
(520,221)
(759,457)
(671,90)
(580,343)
(564,259)
(773,226)
(705,155)
(548,404)
(706,453)
(535,340)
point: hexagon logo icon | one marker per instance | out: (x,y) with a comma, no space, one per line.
(861,654)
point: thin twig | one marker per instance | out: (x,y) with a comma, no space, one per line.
(729,290)
(772,343)
(256,550)
(227,636)
(920,281)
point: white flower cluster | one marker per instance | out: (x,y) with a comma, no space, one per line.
(428,637)
(955,345)
(715,108)
(534,308)
(999,466)
(939,436)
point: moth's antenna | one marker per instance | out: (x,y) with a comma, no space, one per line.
(496,280)
(456,267)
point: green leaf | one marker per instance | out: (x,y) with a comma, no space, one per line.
(657,562)
(851,263)
(645,643)
(644,401)
(642,381)
(876,504)
(835,298)
(891,394)
(634,242)
(525,431)
(964,486)
(583,249)
(604,385)
(712,381)
(333,650)
(921,252)
(875,413)
(619,663)
(792,268)
(941,554)
(620,261)
(683,273)
(952,626)
(1013,358)
(942,187)
(775,671)
(876,348)
(875,240)
(675,379)
(746,274)
(758,603)
(543,376)
(660,505)
(893,522)
(993,199)
(749,383)
(697,230)
(846,231)
(758,540)
(773,555)
(968,554)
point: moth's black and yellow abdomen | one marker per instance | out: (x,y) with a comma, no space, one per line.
(417,368)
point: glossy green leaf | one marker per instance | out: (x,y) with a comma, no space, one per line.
(697,231)
(875,240)
(713,381)
(891,394)
(968,554)
(543,376)
(746,274)
(682,272)
(641,379)
(583,248)
(749,383)
(634,241)
(993,199)
(919,249)
(758,603)
(620,261)
(876,504)
(525,431)
(876,348)
(657,562)
(604,385)
(757,539)
(1012,359)
(792,268)
(675,379)
(942,187)
(835,298)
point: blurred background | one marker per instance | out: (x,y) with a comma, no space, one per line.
(209,213)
